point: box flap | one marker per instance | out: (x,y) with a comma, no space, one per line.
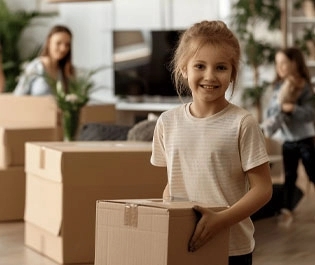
(13,139)
(56,159)
(166,204)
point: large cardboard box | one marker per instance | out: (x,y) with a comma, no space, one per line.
(28,110)
(12,193)
(64,181)
(155,232)
(13,139)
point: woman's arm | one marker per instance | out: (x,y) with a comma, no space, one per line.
(211,222)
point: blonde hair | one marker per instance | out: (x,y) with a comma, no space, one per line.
(200,34)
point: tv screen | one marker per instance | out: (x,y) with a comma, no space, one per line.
(141,63)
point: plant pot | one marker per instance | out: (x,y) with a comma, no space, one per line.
(70,122)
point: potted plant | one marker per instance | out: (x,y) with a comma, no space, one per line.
(70,102)
(12,24)
(247,18)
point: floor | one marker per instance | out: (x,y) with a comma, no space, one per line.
(274,245)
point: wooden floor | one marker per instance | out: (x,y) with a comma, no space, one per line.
(274,245)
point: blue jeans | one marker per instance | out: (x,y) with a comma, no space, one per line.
(241,260)
(292,153)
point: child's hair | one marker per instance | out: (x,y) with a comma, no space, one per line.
(295,55)
(206,32)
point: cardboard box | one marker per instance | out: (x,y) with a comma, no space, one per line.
(12,193)
(64,181)
(27,110)
(142,232)
(102,113)
(13,139)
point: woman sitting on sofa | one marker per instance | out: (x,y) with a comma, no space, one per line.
(54,61)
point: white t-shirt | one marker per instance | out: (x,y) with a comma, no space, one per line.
(206,160)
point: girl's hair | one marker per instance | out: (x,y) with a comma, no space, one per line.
(295,55)
(200,34)
(66,61)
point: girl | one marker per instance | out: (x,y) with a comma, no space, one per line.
(214,151)
(295,120)
(54,61)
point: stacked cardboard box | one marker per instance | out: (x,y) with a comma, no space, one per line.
(29,119)
(155,232)
(22,119)
(63,183)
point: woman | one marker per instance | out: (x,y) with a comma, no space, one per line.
(53,62)
(295,121)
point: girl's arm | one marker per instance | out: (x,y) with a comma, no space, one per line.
(211,222)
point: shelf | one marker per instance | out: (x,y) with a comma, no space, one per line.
(154,107)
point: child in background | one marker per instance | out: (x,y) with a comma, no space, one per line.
(296,123)
(214,151)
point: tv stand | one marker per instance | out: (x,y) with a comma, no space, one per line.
(130,113)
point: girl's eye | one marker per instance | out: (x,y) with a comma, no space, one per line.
(199,66)
(221,67)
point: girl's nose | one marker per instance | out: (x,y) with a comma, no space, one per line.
(209,74)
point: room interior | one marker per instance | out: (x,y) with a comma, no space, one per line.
(118,34)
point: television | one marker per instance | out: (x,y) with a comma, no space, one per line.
(141,64)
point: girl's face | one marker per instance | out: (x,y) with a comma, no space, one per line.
(284,66)
(59,45)
(209,73)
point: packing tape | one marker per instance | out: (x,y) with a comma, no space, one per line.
(131,215)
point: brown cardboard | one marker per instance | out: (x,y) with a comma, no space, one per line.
(64,181)
(103,113)
(27,110)
(13,139)
(12,193)
(141,232)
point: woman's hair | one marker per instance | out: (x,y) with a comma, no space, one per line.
(295,55)
(206,32)
(66,61)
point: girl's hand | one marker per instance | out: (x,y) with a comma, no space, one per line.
(206,228)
